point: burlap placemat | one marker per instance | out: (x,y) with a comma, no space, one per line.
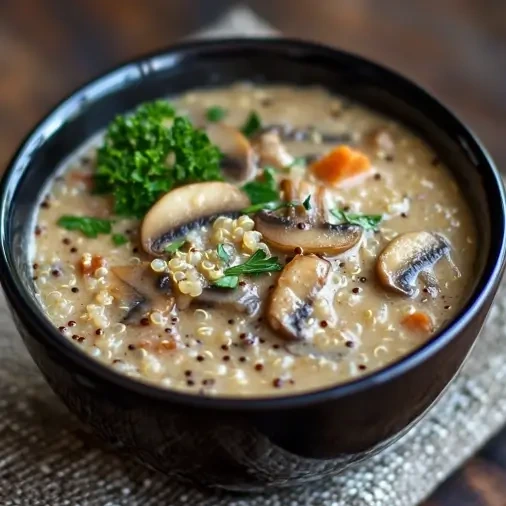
(48,459)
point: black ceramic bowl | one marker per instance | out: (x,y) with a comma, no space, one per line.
(248,444)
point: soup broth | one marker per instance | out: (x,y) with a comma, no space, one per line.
(334,244)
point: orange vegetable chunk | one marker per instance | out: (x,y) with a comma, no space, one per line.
(342,164)
(418,322)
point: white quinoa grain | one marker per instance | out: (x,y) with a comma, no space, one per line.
(201,314)
(158,265)
(205,331)
(178,276)
(157,318)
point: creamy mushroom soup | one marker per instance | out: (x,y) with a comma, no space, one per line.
(252,241)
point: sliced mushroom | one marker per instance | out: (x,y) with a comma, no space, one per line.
(291,301)
(272,151)
(142,290)
(239,162)
(243,299)
(286,234)
(185,208)
(298,227)
(290,133)
(407,256)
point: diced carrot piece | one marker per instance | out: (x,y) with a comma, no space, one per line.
(340,164)
(418,322)
(90,263)
(167,344)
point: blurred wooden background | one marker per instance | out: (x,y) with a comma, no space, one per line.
(455,48)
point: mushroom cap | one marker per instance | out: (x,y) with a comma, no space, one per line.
(185,208)
(141,289)
(406,256)
(239,162)
(291,300)
(287,233)
(244,299)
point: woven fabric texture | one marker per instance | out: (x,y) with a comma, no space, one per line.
(48,459)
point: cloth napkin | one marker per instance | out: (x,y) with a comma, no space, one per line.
(48,459)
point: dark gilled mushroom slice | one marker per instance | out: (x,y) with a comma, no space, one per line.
(408,256)
(300,134)
(186,208)
(291,302)
(288,233)
(142,290)
(244,299)
(239,162)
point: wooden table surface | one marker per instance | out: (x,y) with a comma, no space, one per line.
(455,48)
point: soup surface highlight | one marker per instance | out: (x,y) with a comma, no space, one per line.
(304,242)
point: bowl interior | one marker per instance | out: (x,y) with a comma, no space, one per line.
(219,63)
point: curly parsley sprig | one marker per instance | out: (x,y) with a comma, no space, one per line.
(147,153)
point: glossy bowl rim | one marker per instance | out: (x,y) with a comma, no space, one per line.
(44,330)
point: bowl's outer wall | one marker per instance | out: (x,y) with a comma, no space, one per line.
(238,448)
(252,450)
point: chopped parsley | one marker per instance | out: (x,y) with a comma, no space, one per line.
(119,239)
(264,190)
(274,205)
(257,263)
(216,113)
(174,246)
(366,221)
(277,204)
(222,253)
(297,161)
(89,226)
(227,282)
(252,124)
(143,157)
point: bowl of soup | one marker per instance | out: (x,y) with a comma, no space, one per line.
(250,263)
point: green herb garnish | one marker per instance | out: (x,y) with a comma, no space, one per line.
(265,190)
(277,204)
(366,221)
(216,113)
(252,125)
(174,246)
(298,160)
(268,206)
(90,227)
(143,157)
(222,253)
(119,239)
(257,263)
(227,282)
